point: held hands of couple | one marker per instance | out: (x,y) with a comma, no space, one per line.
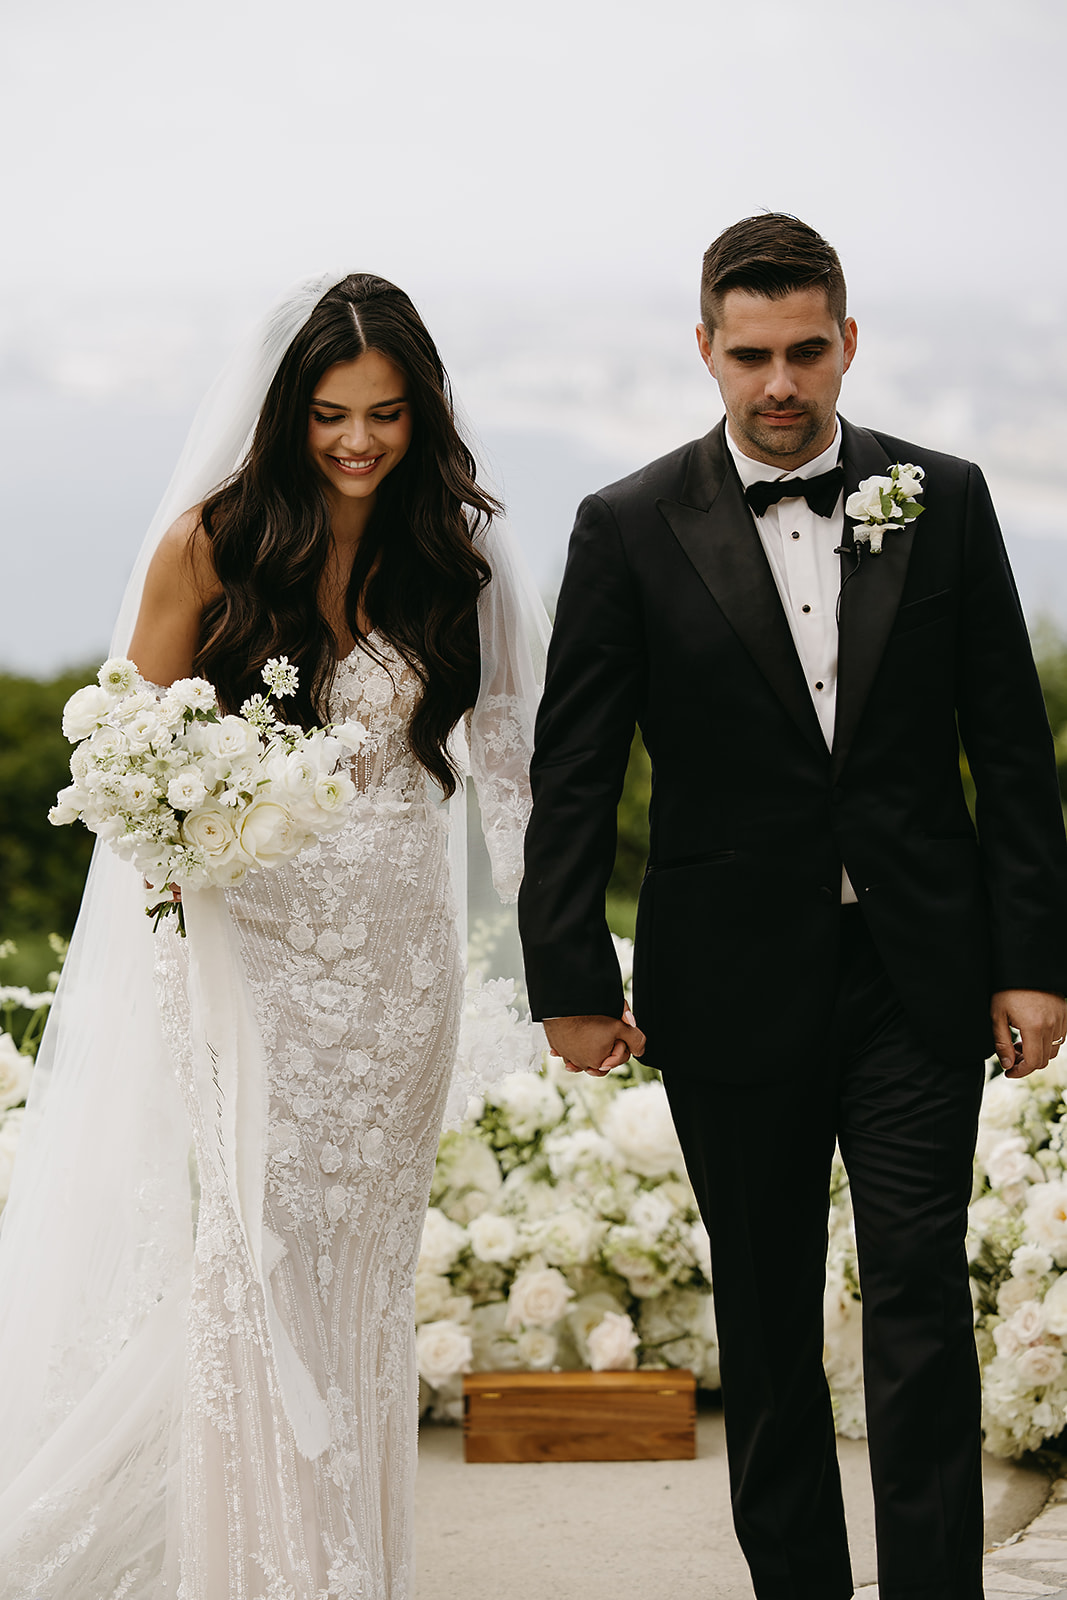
(1041,1021)
(594,1044)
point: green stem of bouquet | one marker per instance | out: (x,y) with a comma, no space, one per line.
(164,909)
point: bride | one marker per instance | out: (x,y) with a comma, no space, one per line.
(229,1413)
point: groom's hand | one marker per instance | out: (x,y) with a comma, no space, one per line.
(1041,1020)
(594,1044)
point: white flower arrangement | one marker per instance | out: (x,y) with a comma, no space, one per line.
(24,1014)
(194,798)
(884,505)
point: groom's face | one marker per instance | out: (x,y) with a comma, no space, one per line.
(779,365)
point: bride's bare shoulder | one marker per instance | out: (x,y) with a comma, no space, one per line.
(184,557)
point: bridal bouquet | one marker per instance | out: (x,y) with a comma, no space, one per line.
(192,797)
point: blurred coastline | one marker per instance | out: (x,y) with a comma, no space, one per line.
(560,395)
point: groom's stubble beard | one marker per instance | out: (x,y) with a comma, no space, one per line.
(788,442)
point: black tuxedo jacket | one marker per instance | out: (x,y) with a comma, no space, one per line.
(669,617)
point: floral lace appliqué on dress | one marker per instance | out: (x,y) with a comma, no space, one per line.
(352,957)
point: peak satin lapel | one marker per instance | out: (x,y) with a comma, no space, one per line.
(722,543)
(869,598)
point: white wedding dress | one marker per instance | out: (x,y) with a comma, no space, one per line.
(352,958)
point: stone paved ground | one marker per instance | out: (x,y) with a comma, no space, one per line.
(661,1530)
(1033,1563)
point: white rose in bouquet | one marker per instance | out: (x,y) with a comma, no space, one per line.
(186,789)
(613,1344)
(442,1241)
(1028,1322)
(865,505)
(538,1299)
(1030,1261)
(1010,1163)
(15,1071)
(638,1122)
(585,1313)
(1013,1293)
(493,1237)
(442,1349)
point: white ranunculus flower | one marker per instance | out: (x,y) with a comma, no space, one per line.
(267,834)
(1039,1364)
(191,694)
(118,676)
(334,793)
(537,1349)
(186,789)
(442,1349)
(493,1237)
(15,1070)
(211,832)
(613,1344)
(1054,1306)
(638,1122)
(107,744)
(84,710)
(865,504)
(1045,1219)
(529,1102)
(538,1299)
(442,1241)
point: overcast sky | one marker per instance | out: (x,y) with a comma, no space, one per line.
(489,142)
(543,179)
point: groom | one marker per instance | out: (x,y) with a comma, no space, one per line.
(827,947)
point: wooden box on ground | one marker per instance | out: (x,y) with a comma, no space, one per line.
(579,1416)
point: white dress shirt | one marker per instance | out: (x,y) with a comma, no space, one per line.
(800,547)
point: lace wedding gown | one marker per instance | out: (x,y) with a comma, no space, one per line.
(352,958)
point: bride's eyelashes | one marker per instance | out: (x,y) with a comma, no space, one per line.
(392,416)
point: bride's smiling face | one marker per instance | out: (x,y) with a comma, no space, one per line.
(359,424)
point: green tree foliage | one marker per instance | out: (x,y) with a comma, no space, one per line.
(42,869)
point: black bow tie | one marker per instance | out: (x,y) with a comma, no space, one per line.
(821,493)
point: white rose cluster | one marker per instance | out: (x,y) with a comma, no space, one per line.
(193,797)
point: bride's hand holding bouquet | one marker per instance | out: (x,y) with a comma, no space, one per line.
(193,798)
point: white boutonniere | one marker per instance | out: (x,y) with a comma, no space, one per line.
(884,505)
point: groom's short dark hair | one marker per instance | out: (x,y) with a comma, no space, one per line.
(771,254)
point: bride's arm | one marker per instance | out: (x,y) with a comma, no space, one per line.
(181,580)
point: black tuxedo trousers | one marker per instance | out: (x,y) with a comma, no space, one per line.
(759,1158)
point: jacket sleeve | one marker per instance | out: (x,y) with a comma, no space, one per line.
(594,687)
(1005,732)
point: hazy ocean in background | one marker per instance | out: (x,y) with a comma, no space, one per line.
(95,401)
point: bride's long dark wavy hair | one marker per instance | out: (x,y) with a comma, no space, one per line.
(416,568)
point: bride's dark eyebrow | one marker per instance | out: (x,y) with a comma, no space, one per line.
(379,405)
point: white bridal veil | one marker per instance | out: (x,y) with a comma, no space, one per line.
(96,1239)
